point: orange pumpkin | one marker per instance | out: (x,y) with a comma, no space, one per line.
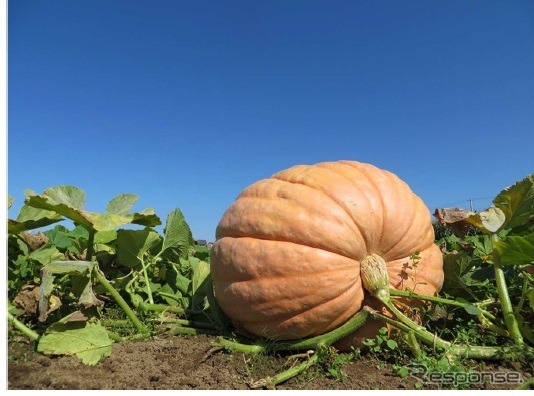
(286,262)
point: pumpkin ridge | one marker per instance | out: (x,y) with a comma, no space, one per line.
(306,309)
(236,235)
(407,231)
(384,215)
(323,329)
(333,200)
(343,175)
(298,274)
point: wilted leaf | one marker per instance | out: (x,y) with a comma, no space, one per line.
(27,299)
(489,221)
(74,268)
(89,341)
(34,241)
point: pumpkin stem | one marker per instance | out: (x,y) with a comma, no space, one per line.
(375,279)
(326,339)
(374,274)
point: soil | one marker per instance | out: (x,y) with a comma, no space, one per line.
(185,362)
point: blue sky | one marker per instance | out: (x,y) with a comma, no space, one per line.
(187,103)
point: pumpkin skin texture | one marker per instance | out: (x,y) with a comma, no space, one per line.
(286,261)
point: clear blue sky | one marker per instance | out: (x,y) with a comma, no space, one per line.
(186,103)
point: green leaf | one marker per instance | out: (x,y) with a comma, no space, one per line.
(201,252)
(171,296)
(483,247)
(105,236)
(146,218)
(530,295)
(525,328)
(9,201)
(46,254)
(132,244)
(121,204)
(472,310)
(89,341)
(67,201)
(392,344)
(178,281)
(58,237)
(178,235)
(31,218)
(517,202)
(79,233)
(515,249)
(454,267)
(70,196)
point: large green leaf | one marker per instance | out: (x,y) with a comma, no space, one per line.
(89,341)
(31,218)
(516,249)
(46,254)
(68,201)
(9,201)
(455,267)
(105,236)
(59,237)
(122,204)
(70,196)
(132,244)
(178,235)
(517,202)
(514,207)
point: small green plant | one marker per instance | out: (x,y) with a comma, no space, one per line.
(382,343)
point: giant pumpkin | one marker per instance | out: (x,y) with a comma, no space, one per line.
(287,256)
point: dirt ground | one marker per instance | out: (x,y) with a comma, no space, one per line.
(183,362)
